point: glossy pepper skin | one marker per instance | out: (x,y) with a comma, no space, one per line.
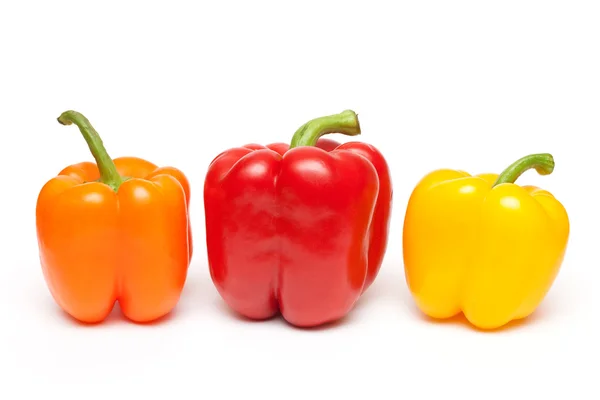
(482,245)
(114,230)
(299,230)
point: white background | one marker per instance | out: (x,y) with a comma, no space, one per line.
(471,85)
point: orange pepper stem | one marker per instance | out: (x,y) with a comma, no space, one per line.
(543,163)
(308,134)
(108,171)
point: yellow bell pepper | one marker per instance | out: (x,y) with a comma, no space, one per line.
(482,245)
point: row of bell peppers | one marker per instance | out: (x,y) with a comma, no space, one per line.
(299,230)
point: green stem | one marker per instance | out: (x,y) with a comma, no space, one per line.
(308,134)
(543,163)
(108,171)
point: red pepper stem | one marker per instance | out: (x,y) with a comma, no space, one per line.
(108,171)
(543,163)
(308,134)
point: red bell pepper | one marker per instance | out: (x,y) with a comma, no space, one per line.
(301,229)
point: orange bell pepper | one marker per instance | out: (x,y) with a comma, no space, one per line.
(116,230)
(482,245)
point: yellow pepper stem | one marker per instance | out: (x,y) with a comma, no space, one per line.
(543,163)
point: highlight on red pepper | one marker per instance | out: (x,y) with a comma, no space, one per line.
(114,230)
(298,229)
